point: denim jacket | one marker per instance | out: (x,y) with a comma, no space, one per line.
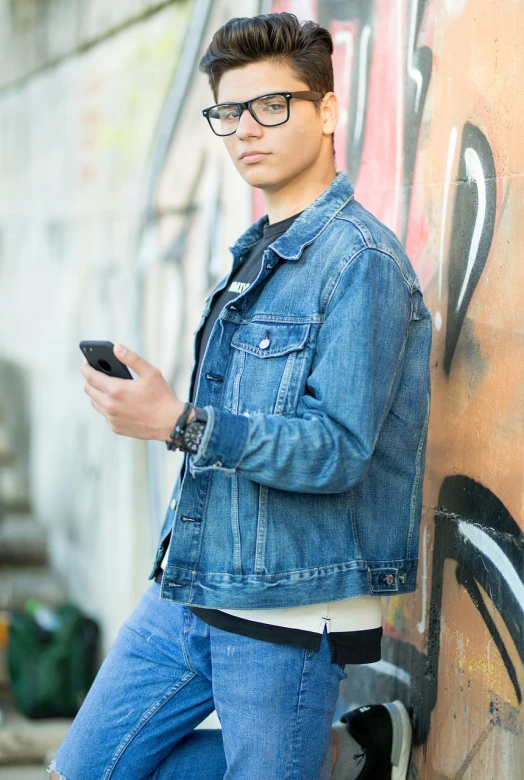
(307,484)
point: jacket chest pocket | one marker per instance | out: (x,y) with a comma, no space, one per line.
(269,366)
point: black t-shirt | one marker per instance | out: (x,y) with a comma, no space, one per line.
(245,275)
(347,647)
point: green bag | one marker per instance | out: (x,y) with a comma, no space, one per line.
(52,671)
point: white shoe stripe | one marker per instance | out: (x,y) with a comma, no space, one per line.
(402,736)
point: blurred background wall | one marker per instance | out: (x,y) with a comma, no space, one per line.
(110,200)
(117,208)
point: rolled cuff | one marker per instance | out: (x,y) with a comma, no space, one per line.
(223,443)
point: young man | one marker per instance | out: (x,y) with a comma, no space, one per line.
(299,501)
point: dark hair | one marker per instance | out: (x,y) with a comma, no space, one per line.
(306,48)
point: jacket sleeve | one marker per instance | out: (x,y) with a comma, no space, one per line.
(359,354)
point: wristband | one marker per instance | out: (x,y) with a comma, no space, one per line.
(176,434)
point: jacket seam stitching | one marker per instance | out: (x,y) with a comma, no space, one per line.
(248,438)
(387,405)
(417,474)
(353,511)
(341,274)
(356,222)
(364,566)
(393,258)
(353,258)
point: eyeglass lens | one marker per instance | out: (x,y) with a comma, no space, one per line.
(269,110)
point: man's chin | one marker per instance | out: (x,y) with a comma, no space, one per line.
(262,180)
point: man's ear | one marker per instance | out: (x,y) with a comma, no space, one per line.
(330,112)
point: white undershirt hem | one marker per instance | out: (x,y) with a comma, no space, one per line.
(356,614)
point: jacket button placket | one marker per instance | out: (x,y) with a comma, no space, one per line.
(183,551)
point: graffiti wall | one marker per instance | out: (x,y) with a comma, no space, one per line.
(428,132)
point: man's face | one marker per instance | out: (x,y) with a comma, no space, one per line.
(290,148)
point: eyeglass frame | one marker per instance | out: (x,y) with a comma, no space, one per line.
(305,95)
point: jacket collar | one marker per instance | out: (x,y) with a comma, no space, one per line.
(306,228)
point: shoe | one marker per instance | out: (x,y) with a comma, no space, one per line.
(385,733)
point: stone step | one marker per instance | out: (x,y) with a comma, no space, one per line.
(23,740)
(31,772)
(15,432)
(22,540)
(17,584)
(13,489)
(6,450)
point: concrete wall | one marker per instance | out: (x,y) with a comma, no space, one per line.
(117,207)
(39,34)
(77,124)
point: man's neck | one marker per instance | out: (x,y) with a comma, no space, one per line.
(296,195)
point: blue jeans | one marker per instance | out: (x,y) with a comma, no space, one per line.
(167,670)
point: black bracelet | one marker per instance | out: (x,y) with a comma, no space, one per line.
(176,434)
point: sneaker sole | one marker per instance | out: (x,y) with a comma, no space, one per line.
(402,736)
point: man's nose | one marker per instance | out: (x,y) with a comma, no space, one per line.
(247,124)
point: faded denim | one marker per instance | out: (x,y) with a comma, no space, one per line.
(307,486)
(167,670)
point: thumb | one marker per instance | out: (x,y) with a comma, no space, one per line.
(132,360)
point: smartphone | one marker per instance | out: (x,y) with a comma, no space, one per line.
(100,355)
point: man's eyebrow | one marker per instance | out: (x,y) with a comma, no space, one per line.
(261,94)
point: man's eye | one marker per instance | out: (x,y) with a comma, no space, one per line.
(223,113)
(273,107)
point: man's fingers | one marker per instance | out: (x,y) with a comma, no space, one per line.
(96,378)
(110,385)
(97,396)
(134,361)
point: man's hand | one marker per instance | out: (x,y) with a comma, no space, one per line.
(146,408)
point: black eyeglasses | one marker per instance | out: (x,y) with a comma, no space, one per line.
(269,110)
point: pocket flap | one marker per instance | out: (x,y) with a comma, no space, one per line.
(271,339)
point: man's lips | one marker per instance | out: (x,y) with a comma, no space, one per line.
(252,157)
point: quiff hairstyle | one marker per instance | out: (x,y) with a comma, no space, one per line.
(306,48)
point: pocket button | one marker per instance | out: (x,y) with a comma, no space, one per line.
(264,344)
